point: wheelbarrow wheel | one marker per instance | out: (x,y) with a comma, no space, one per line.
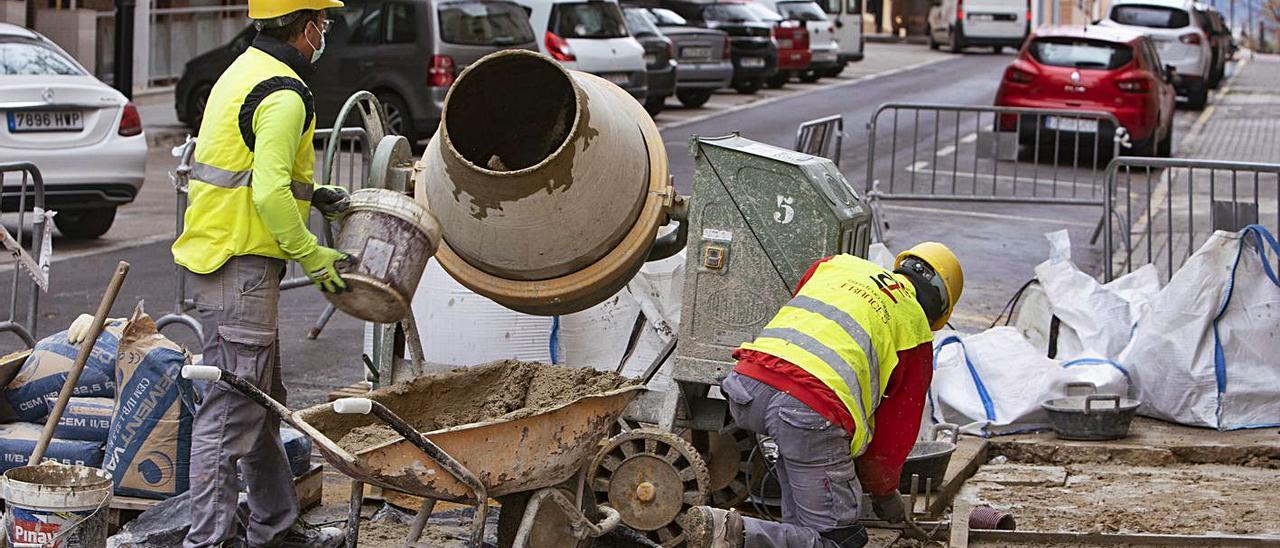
(651,477)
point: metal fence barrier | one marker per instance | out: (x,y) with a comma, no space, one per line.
(1163,210)
(822,137)
(27,200)
(345,161)
(988,154)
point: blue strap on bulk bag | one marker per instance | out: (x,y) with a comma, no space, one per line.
(1264,240)
(988,406)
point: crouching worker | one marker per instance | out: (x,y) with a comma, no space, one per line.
(838,379)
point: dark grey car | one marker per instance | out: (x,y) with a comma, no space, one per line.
(407,52)
(704,64)
(659,59)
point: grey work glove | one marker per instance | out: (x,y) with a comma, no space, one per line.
(890,508)
(331,201)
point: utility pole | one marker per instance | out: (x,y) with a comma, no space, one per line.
(124,47)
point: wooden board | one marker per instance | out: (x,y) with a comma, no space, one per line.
(970,453)
(354,390)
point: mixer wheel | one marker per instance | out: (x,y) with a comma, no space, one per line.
(651,477)
(726,456)
(551,526)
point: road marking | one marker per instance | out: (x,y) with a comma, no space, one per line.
(920,168)
(983,215)
(946,151)
(969,138)
(762,102)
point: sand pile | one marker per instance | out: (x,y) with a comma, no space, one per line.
(504,390)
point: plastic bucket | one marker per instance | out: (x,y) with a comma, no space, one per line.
(56,505)
(391,237)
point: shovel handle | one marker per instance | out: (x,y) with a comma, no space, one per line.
(86,348)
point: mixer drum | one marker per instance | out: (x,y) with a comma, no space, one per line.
(549,184)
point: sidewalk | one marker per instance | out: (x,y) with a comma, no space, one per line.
(1243,123)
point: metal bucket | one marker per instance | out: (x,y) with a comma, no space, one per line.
(929,460)
(56,505)
(390,237)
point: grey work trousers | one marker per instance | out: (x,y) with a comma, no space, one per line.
(820,488)
(237,306)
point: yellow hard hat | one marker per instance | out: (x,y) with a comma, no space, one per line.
(271,9)
(946,266)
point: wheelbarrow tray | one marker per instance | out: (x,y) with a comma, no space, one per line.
(520,451)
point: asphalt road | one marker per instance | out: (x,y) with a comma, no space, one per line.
(998,244)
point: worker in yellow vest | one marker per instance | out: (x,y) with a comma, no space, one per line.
(838,379)
(251,193)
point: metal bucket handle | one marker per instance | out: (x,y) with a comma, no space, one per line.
(1093,388)
(1088,401)
(946,430)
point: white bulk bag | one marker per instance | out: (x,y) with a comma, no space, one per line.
(1207,352)
(992,383)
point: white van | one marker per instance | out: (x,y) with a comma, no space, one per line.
(590,36)
(963,23)
(846,15)
(822,35)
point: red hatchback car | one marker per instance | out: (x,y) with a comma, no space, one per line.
(1093,68)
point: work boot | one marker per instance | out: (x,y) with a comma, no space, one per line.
(707,527)
(303,535)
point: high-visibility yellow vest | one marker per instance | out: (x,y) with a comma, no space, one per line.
(221,219)
(846,327)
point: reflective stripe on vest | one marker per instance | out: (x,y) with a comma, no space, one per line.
(224,178)
(845,327)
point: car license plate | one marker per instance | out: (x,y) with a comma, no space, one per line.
(695,53)
(45,120)
(650,58)
(618,78)
(1071,124)
(752,62)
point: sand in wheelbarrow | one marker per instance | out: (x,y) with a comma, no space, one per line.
(501,390)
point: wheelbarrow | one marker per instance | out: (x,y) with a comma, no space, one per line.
(532,452)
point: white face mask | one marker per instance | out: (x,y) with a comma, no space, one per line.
(317,51)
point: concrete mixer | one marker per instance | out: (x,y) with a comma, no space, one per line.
(550,186)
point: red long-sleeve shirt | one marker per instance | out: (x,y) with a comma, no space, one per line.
(897,418)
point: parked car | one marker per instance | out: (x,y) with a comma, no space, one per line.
(755,56)
(792,39)
(703,63)
(1177,36)
(591,36)
(966,23)
(847,17)
(1215,26)
(823,49)
(367,49)
(659,58)
(85,137)
(1094,68)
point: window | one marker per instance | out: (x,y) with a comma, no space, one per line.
(484,24)
(802,11)
(1153,58)
(639,22)
(831,6)
(366,25)
(588,20)
(34,59)
(854,6)
(667,18)
(765,14)
(401,27)
(1156,17)
(729,13)
(1081,53)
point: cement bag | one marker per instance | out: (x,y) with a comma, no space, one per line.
(462,328)
(660,291)
(149,447)
(18,440)
(1206,352)
(1096,320)
(297,448)
(87,419)
(992,383)
(45,371)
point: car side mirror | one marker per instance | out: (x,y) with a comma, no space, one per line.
(1171,74)
(839,24)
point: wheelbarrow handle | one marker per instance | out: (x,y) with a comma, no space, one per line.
(211,373)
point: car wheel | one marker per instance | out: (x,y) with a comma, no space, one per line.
(85,224)
(693,98)
(397,117)
(750,87)
(809,76)
(196,104)
(1198,97)
(997,49)
(778,80)
(956,44)
(654,105)
(1165,149)
(933,42)
(833,72)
